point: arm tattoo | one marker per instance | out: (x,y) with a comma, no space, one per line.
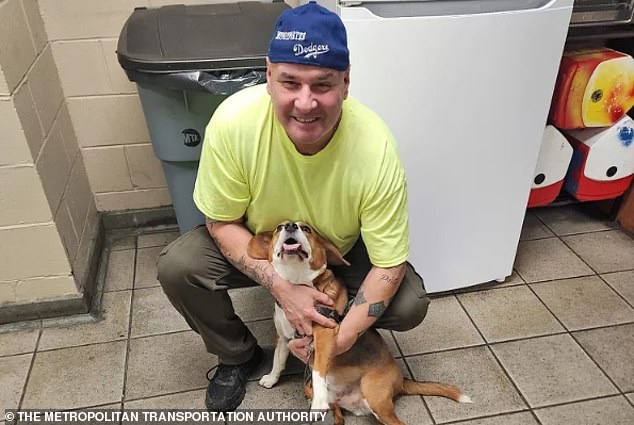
(359,299)
(257,272)
(376,309)
(389,279)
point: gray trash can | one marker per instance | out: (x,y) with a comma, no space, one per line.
(185,61)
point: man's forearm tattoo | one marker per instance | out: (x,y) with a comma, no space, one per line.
(389,279)
(359,299)
(257,272)
(376,309)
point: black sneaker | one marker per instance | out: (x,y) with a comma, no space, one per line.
(227,387)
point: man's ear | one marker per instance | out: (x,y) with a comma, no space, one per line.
(259,246)
(333,256)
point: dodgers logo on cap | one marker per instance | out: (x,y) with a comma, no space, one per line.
(310,35)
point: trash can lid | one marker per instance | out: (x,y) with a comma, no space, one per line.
(182,38)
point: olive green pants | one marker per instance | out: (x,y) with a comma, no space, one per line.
(195,277)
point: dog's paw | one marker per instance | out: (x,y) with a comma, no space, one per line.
(267,381)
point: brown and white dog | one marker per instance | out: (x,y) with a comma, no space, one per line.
(365,379)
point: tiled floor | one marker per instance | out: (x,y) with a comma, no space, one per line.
(553,344)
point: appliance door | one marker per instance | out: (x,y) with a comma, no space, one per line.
(465,86)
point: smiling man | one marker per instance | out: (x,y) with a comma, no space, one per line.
(297,148)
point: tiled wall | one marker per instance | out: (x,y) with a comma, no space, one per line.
(47,212)
(73,140)
(104,106)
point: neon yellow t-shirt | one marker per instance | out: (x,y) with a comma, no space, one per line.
(354,186)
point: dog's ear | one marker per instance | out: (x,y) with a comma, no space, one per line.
(259,246)
(333,256)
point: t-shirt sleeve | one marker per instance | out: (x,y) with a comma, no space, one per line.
(384,214)
(221,191)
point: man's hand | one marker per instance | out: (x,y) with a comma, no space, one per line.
(301,348)
(298,303)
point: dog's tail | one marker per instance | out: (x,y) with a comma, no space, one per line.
(434,388)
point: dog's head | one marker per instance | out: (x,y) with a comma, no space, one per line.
(295,245)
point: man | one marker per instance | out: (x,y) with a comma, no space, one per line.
(297,149)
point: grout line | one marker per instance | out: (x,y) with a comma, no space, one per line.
(597,364)
(28,374)
(618,293)
(496,415)
(411,374)
(506,372)
(130,317)
(151,397)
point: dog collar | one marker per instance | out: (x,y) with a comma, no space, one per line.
(329,313)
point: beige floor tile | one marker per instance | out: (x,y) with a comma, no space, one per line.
(287,394)
(185,400)
(145,276)
(548,259)
(410,409)
(264,332)
(584,302)
(623,283)
(112,325)
(120,273)
(509,313)
(18,342)
(13,373)
(475,371)
(446,326)
(612,349)
(165,364)
(630,397)
(189,400)
(255,303)
(552,369)
(152,313)
(571,219)
(156,239)
(522,418)
(76,377)
(604,251)
(532,228)
(609,411)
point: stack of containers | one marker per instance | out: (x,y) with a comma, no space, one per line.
(593,93)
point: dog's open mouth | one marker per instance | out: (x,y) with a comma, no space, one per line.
(292,247)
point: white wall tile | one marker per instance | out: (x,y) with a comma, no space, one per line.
(22,199)
(16,46)
(29,118)
(45,288)
(107,169)
(119,82)
(148,198)
(73,19)
(108,120)
(67,230)
(46,88)
(13,146)
(54,169)
(33,251)
(82,67)
(36,25)
(145,168)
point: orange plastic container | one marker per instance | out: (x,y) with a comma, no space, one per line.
(594,88)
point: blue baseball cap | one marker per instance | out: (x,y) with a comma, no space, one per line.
(310,35)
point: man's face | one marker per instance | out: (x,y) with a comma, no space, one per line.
(307,101)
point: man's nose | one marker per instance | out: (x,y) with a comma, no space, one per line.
(305,100)
(290,227)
